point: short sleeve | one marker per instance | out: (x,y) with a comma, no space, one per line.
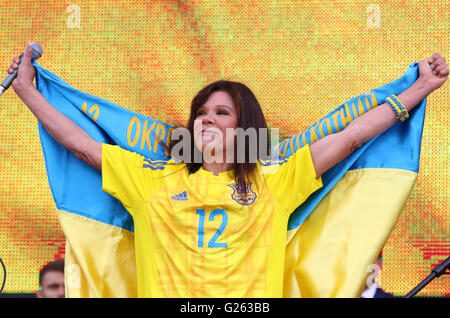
(292,180)
(123,175)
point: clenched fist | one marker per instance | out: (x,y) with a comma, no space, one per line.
(433,71)
(26,71)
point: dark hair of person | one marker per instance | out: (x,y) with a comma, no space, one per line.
(55,266)
(250,115)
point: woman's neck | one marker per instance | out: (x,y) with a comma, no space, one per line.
(217,168)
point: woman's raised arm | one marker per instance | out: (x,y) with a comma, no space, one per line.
(61,128)
(330,150)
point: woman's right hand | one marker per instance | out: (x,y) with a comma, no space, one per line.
(60,127)
(26,73)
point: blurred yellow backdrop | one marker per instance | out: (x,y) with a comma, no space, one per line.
(301,58)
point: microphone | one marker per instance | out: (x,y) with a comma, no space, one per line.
(37,53)
(436,272)
(442,267)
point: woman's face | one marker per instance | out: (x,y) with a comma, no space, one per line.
(215,123)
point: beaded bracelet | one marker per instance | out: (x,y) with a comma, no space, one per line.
(398,107)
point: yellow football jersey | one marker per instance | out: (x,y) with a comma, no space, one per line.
(197,235)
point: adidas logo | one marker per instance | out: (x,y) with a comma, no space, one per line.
(180,197)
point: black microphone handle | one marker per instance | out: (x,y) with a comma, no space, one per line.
(436,272)
(10,78)
(422,284)
(442,267)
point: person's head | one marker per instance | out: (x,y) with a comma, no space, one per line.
(216,111)
(51,280)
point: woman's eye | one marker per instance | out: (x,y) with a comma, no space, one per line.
(222,112)
(200,113)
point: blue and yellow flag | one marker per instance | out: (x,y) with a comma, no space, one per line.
(333,236)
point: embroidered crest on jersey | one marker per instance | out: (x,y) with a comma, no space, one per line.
(240,196)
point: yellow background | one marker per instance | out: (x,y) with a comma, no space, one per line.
(301,58)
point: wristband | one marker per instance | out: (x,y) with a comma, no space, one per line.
(400,111)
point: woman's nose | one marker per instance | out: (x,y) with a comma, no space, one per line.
(207,119)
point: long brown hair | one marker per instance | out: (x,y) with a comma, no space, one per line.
(250,115)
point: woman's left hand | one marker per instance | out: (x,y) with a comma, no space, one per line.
(433,71)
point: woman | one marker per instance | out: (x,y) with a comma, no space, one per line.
(216,228)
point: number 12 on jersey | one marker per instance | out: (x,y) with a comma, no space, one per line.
(201,227)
